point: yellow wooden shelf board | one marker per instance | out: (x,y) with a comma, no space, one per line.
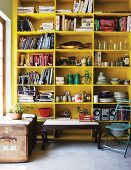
(29,33)
(74,33)
(41,85)
(38,15)
(112,85)
(117,121)
(36,103)
(36,67)
(74,50)
(80,15)
(77,103)
(111,51)
(105,33)
(80,67)
(35,1)
(110,67)
(102,14)
(106,103)
(73,85)
(36,51)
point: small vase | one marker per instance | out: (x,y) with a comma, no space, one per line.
(16,116)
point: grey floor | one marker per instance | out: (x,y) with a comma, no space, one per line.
(72,156)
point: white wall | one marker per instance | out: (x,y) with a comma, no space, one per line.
(6,7)
(6,14)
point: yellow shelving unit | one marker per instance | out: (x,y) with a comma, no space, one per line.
(107,9)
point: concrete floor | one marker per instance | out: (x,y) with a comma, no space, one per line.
(72,156)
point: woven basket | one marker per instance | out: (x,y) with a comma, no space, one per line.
(119,132)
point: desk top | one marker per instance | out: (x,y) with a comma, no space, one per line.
(68,122)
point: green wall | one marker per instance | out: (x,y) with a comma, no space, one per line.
(5,7)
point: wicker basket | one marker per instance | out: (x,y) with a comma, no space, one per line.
(119,133)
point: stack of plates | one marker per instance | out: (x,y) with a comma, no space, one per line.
(119,96)
(106,97)
(106,100)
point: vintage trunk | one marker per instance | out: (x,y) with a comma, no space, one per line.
(13,143)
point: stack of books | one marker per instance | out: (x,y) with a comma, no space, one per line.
(47,26)
(86,25)
(46,9)
(26,94)
(46,96)
(25,10)
(60,80)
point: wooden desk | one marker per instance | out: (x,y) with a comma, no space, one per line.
(72,124)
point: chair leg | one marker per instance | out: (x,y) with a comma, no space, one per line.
(106,138)
(127,146)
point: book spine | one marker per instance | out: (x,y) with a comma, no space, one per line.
(74,24)
(57,23)
(90,6)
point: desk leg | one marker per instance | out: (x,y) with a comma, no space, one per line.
(99,138)
(44,138)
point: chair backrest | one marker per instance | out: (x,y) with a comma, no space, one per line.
(122,110)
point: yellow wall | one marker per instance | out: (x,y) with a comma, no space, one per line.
(6,7)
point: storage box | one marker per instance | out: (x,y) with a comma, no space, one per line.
(13,143)
(17,138)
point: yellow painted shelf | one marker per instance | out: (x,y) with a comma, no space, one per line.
(111,51)
(70,66)
(74,33)
(110,85)
(36,67)
(117,33)
(101,14)
(76,103)
(110,67)
(42,85)
(107,55)
(73,85)
(36,51)
(38,15)
(74,50)
(29,33)
(76,14)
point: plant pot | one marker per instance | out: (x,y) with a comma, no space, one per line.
(16,116)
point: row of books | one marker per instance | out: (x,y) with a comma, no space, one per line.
(33,77)
(24,24)
(65,24)
(45,41)
(83,6)
(113,24)
(35,59)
